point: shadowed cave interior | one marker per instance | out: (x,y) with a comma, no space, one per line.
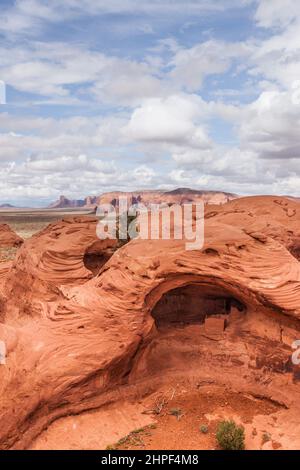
(294,249)
(95,257)
(192,304)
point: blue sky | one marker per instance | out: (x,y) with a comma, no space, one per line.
(134,94)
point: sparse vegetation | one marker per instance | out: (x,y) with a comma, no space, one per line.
(266,437)
(159,405)
(230,436)
(204,429)
(129,218)
(176,412)
(138,431)
(111,447)
(134,439)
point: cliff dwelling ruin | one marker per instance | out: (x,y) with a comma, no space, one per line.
(193,304)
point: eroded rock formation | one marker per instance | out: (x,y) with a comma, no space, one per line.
(77,339)
(8,238)
(64,253)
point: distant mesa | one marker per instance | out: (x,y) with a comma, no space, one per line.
(182,191)
(65,203)
(146,197)
(7,206)
(176,196)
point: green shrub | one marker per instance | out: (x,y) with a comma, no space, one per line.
(204,429)
(230,436)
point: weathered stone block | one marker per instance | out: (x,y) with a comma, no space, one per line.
(214,326)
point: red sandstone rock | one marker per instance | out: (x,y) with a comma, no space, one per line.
(8,238)
(214,326)
(77,341)
(64,253)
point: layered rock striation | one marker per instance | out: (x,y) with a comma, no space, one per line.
(80,334)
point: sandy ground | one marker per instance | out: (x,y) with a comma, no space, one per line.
(28,222)
(171,419)
(93,430)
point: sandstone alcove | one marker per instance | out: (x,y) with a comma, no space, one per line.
(95,257)
(294,249)
(192,304)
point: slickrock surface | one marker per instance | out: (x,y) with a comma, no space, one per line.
(79,339)
(8,238)
(64,253)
